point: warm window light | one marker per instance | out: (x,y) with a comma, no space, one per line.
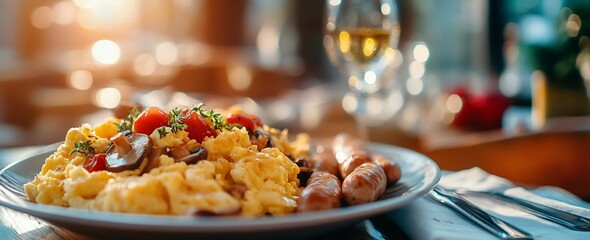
(334,2)
(267,44)
(106,51)
(417,69)
(349,103)
(89,19)
(42,17)
(166,53)
(144,64)
(454,103)
(414,86)
(385,9)
(370,77)
(84,3)
(108,97)
(239,77)
(398,57)
(421,53)
(81,79)
(354,82)
(65,12)
(369,47)
(395,102)
(573,24)
(375,107)
(193,53)
(344,41)
(282,110)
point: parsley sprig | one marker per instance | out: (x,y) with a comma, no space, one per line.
(127,123)
(216,118)
(84,147)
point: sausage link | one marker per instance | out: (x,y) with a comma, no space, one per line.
(324,161)
(322,192)
(352,161)
(365,184)
(349,153)
(391,168)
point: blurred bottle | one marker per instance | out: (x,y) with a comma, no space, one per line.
(545,54)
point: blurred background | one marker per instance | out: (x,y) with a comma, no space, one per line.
(497,84)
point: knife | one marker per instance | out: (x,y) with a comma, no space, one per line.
(565,219)
(492,224)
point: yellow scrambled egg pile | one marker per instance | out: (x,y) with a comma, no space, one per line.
(175,188)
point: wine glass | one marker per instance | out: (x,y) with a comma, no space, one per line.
(360,38)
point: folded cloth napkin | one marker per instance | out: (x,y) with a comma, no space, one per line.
(427,219)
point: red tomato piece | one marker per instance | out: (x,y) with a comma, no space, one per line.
(197,128)
(97,162)
(249,121)
(149,120)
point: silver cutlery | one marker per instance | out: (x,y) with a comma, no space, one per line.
(492,224)
(565,219)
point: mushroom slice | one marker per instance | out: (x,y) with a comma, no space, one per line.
(179,152)
(195,156)
(128,153)
(262,139)
(153,160)
(304,170)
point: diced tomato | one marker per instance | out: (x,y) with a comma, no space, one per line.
(96,162)
(149,120)
(249,121)
(197,128)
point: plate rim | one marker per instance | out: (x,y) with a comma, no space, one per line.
(180,224)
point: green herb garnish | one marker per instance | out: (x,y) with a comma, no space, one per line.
(175,120)
(162,132)
(216,118)
(84,147)
(127,123)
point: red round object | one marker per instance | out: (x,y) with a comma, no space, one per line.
(480,112)
(249,121)
(96,162)
(149,120)
(197,128)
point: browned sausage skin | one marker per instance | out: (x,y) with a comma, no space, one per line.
(349,153)
(391,168)
(322,192)
(365,184)
(325,161)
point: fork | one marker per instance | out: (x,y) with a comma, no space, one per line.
(492,224)
(560,217)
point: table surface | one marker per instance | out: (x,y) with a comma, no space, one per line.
(16,225)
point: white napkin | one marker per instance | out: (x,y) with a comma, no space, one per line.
(427,219)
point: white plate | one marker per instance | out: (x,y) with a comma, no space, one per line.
(419,175)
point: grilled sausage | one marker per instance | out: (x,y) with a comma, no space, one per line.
(324,161)
(352,161)
(322,192)
(391,168)
(349,153)
(365,184)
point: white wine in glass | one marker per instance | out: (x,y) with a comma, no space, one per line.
(360,38)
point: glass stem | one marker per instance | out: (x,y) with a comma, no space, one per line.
(361,116)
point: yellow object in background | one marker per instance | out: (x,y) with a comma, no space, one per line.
(553,101)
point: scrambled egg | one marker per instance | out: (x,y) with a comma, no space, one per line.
(267,177)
